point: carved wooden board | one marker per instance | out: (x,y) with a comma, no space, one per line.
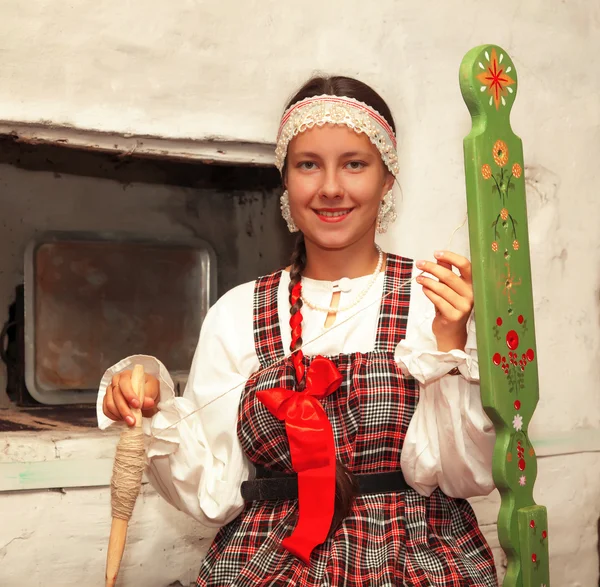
(504,305)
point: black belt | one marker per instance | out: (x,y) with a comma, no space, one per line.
(270,485)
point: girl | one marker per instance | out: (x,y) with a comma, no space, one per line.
(332,424)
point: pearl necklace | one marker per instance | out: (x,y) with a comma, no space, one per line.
(359,297)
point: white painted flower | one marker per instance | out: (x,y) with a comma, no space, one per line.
(518,422)
(522,480)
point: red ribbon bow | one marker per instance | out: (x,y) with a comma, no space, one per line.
(312,449)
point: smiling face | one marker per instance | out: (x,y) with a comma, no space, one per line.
(336,180)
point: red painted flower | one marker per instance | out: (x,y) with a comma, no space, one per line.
(521,464)
(521,319)
(512,340)
(499,321)
(495,79)
(530,355)
(496,358)
(517,405)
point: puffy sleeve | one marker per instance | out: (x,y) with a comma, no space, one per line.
(195,460)
(450,439)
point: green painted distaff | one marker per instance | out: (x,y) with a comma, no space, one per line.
(503,298)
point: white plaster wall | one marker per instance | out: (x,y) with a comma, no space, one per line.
(51,548)
(201,69)
(59,537)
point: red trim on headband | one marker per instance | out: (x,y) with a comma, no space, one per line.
(340,100)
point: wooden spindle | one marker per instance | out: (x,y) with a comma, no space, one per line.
(118,530)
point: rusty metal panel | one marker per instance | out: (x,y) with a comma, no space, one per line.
(91,302)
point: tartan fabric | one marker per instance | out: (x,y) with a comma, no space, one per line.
(267,335)
(387,539)
(393,313)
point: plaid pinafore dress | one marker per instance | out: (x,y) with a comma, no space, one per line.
(387,539)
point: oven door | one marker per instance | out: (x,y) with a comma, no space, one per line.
(92,299)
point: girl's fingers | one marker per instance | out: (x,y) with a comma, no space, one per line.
(108,405)
(458,302)
(151,388)
(120,398)
(441,305)
(453,282)
(122,406)
(127,390)
(445,275)
(149,403)
(461,263)
(445,266)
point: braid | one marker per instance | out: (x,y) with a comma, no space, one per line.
(346,484)
(298,264)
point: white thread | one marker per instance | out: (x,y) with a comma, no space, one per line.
(328,331)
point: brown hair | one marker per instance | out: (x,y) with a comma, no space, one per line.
(346,484)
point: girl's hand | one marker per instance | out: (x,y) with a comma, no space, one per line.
(120,398)
(452,296)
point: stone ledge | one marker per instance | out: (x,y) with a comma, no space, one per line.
(52,459)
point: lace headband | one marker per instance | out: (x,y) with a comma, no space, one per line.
(321,110)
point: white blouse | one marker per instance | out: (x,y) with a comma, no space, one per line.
(195,458)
